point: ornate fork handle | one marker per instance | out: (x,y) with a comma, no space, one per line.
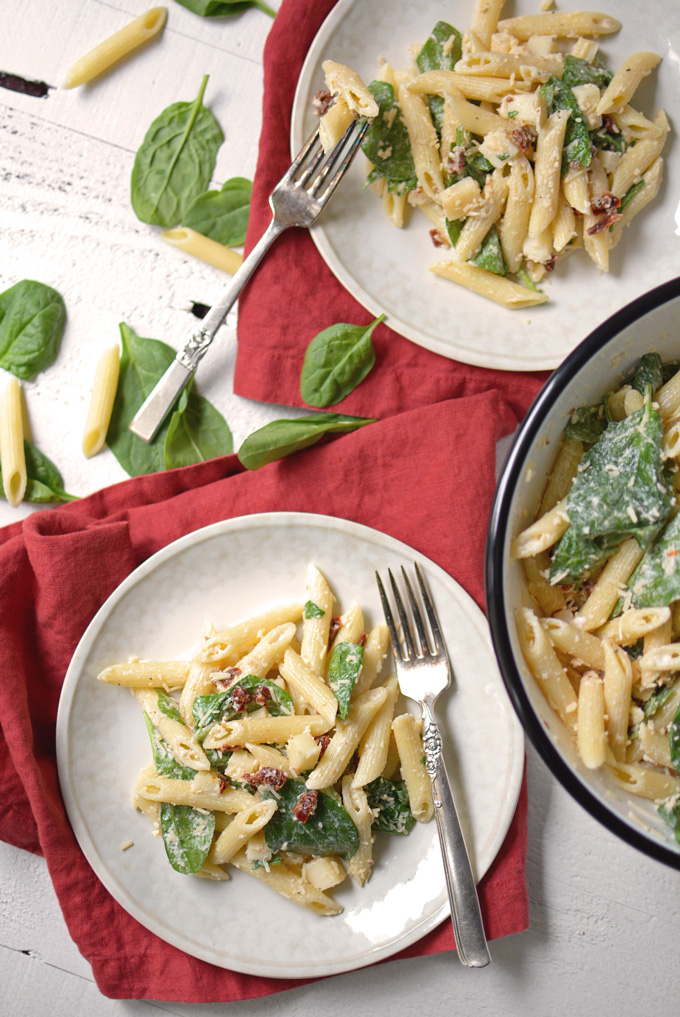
(465,913)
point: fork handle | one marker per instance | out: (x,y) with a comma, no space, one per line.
(149,417)
(466,916)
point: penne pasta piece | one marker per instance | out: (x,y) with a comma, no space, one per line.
(547,170)
(424,141)
(472,86)
(198,683)
(347,735)
(618,681)
(634,624)
(487,284)
(344,82)
(12,455)
(542,534)
(360,865)
(575,641)
(610,585)
(563,24)
(620,89)
(229,645)
(119,45)
(513,227)
(324,873)
(145,674)
(376,652)
(549,598)
(207,794)
(289,884)
(315,625)
(334,123)
(205,248)
(590,732)
(545,666)
(179,738)
(562,475)
(485,19)
(375,742)
(101,402)
(407,734)
(272,730)
(311,688)
(243,826)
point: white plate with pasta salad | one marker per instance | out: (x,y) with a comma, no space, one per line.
(175,608)
(386,268)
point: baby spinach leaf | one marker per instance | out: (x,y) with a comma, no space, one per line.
(222,215)
(621,487)
(389,802)
(631,192)
(671,814)
(312,610)
(649,373)
(43,480)
(32,317)
(441,51)
(337,360)
(168,706)
(656,580)
(220,706)
(587,424)
(175,161)
(674,741)
(453,228)
(222,8)
(163,759)
(187,836)
(490,255)
(577,71)
(387,145)
(195,431)
(282,437)
(328,831)
(576,556)
(344,668)
(576,150)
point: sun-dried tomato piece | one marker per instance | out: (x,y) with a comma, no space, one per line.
(362,639)
(333,629)
(305,805)
(262,695)
(269,775)
(524,137)
(322,101)
(437,238)
(604,222)
(455,161)
(240,697)
(323,741)
(604,203)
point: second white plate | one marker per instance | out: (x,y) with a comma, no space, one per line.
(224,573)
(386,269)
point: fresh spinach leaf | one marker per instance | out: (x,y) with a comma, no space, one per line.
(621,487)
(43,480)
(453,228)
(490,255)
(344,668)
(312,610)
(220,706)
(328,831)
(187,836)
(656,700)
(576,556)
(282,437)
(631,192)
(587,423)
(32,317)
(649,373)
(674,741)
(387,145)
(175,162)
(576,150)
(656,580)
(337,360)
(441,51)
(163,759)
(222,215)
(389,802)
(579,72)
(195,432)
(168,706)
(223,8)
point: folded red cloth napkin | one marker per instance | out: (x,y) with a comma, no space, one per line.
(294,288)
(60,565)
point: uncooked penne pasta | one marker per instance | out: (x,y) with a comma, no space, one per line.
(101,402)
(205,248)
(12,454)
(119,45)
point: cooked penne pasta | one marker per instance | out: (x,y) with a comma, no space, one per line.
(407,735)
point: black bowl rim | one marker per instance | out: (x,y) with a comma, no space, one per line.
(529,430)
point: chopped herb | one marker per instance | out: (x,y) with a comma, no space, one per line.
(312,610)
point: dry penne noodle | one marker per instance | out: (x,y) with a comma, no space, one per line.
(101,402)
(205,248)
(119,45)
(12,455)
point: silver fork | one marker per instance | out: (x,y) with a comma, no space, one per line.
(297,200)
(423,671)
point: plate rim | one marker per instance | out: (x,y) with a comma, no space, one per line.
(64,754)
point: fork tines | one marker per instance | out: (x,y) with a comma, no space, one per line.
(313,159)
(407,646)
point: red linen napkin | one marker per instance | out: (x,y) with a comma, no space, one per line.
(293,295)
(60,565)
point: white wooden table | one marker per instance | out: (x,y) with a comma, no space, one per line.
(605,920)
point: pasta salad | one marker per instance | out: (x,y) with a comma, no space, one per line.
(514,139)
(600,631)
(280,749)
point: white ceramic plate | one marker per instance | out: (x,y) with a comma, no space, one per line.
(385,269)
(223,573)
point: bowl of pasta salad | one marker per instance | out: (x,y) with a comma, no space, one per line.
(583,577)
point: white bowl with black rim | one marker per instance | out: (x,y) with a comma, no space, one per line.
(598,364)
